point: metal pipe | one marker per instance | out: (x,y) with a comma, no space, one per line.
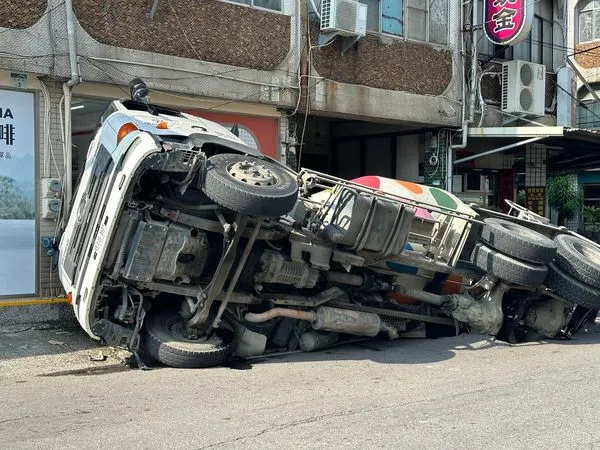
(473,88)
(237,273)
(472,97)
(280,312)
(338,320)
(426,297)
(75,79)
(75,76)
(499,149)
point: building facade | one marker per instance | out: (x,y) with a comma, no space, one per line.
(387,103)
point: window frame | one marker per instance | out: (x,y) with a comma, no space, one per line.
(581,8)
(404,21)
(260,8)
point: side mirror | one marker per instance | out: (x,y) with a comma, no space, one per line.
(138,90)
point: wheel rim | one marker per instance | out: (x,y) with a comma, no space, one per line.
(176,329)
(253,173)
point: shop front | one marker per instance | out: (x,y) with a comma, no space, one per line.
(18,188)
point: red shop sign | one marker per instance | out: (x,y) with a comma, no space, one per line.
(507,21)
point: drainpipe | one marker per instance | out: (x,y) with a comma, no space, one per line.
(472,98)
(67,87)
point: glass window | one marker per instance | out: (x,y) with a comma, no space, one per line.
(421,20)
(275,5)
(416,28)
(268,4)
(244,134)
(588,110)
(372,14)
(588,115)
(392,17)
(589,21)
(438,21)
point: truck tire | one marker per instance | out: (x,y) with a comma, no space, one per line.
(518,241)
(507,268)
(571,288)
(578,258)
(164,341)
(249,185)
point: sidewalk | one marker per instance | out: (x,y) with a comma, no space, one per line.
(48,349)
(35,310)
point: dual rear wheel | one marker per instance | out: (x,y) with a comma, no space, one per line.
(568,265)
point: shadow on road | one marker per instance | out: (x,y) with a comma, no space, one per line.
(23,342)
(419,351)
(403,351)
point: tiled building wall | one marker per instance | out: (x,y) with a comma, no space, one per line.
(49,283)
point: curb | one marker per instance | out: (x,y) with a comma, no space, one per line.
(35,310)
(32,301)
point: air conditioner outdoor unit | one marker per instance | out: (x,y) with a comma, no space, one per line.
(346,17)
(523,88)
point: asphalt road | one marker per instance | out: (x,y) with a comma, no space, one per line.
(461,392)
(17,261)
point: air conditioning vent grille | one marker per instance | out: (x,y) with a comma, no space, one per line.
(504,87)
(326,13)
(523,88)
(526,73)
(345,16)
(526,99)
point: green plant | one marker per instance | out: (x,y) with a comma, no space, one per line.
(591,218)
(564,196)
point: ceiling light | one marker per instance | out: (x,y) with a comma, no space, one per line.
(77,107)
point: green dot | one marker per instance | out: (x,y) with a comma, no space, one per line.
(443,199)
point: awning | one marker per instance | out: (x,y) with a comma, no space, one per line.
(572,148)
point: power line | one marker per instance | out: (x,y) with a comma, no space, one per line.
(579,102)
(247,97)
(178,78)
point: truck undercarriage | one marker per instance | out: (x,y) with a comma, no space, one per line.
(216,253)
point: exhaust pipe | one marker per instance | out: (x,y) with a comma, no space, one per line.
(280,312)
(324,318)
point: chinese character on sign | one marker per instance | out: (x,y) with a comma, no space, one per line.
(507,21)
(503,19)
(536,200)
(7,133)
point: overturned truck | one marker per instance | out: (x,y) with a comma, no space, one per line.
(185,243)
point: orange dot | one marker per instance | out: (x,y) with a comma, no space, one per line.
(412,187)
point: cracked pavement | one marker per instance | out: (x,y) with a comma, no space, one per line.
(461,392)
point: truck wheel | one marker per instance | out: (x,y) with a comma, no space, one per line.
(578,258)
(507,268)
(249,185)
(518,241)
(165,342)
(571,288)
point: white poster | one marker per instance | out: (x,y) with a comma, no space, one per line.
(17,193)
